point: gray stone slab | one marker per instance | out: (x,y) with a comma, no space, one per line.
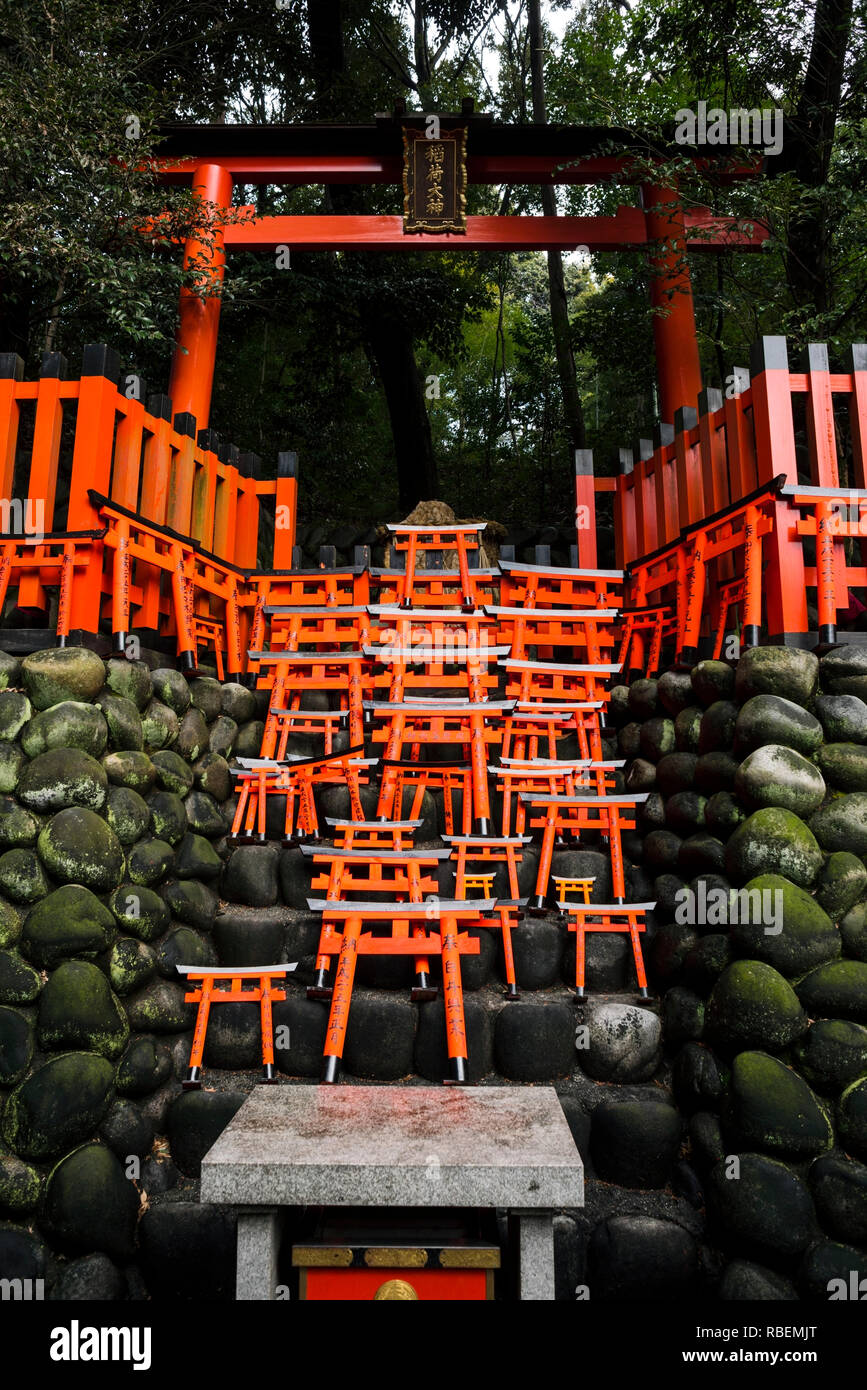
(536,1257)
(256,1263)
(383,1146)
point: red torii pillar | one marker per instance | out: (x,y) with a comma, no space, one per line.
(677,362)
(195,355)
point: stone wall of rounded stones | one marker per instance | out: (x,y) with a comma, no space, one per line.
(115,798)
(757,777)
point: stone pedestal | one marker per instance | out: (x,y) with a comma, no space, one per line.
(384,1146)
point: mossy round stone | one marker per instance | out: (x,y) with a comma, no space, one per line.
(15,711)
(844,766)
(249,741)
(674,692)
(172,689)
(676,772)
(832,1054)
(661,850)
(123,720)
(753,1006)
(183,946)
(149,861)
(159,726)
(212,776)
(59,1105)
(841,883)
(19,982)
(778,776)
(853,932)
(20,1186)
(771,719)
(843,718)
(774,841)
(222,736)
(77,847)
(239,704)
(67,725)
(839,1187)
(160,1008)
(786,928)
(10,671)
(71,921)
(65,673)
(168,816)
(192,739)
(641,777)
(10,924)
(684,812)
(90,1204)
(204,815)
(842,823)
(656,738)
(763,1207)
(77,1009)
(852,1118)
(715,772)
(16,1045)
(843,671)
(771,1108)
(60,778)
(129,768)
(22,877)
(131,680)
(836,990)
(687,729)
(12,759)
(196,858)
(643,699)
(712,681)
(130,965)
(785,671)
(206,695)
(191,902)
(703,965)
(723,814)
(628,739)
(139,911)
(716,730)
(701,853)
(128,814)
(651,814)
(173,774)
(682,1016)
(17,825)
(143,1068)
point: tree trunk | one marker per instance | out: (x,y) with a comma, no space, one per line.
(389,342)
(809,140)
(391,348)
(572,411)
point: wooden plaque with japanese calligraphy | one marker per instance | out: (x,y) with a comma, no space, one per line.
(434,181)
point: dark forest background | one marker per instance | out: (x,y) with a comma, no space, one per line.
(468,377)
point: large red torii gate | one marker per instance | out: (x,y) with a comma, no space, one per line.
(212,158)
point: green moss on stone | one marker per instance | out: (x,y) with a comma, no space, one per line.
(77,847)
(69,922)
(59,1105)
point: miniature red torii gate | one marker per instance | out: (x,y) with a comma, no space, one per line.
(214,158)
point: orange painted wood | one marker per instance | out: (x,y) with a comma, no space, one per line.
(193,366)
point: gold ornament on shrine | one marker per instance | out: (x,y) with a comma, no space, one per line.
(435,180)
